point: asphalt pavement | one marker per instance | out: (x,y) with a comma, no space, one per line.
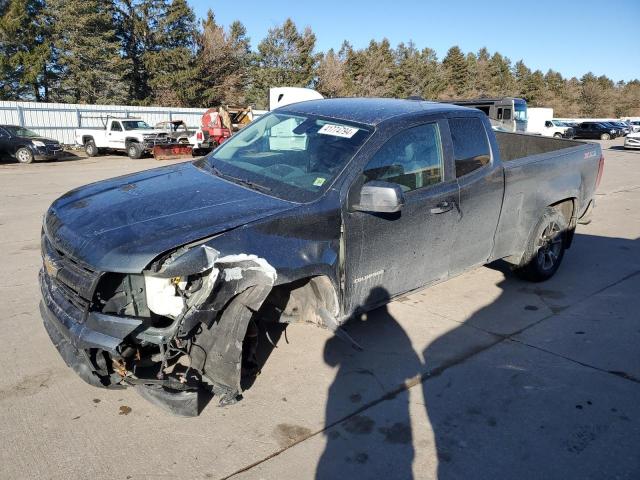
(483,376)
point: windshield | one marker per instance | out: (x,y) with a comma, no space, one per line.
(520,111)
(295,157)
(22,132)
(135,125)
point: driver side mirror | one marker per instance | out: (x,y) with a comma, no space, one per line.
(380,197)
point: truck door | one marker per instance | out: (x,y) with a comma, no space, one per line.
(5,143)
(389,254)
(481,186)
(115,135)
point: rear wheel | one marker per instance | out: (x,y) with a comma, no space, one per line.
(24,155)
(545,248)
(605,136)
(90,148)
(134,150)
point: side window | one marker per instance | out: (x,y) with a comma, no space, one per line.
(507,114)
(412,159)
(548,124)
(116,127)
(470,144)
(3,133)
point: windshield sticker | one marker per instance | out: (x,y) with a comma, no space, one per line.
(318,182)
(338,130)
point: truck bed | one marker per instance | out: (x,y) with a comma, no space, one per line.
(540,171)
(514,146)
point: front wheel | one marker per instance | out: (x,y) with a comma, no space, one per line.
(545,248)
(557,135)
(90,148)
(24,155)
(605,136)
(134,150)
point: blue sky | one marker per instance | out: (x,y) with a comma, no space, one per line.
(572,37)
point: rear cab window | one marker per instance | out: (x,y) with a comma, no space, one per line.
(470,144)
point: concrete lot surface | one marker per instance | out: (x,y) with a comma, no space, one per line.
(484,376)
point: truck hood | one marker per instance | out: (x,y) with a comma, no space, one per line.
(122,224)
(149,131)
(45,140)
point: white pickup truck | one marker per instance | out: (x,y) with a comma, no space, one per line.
(130,135)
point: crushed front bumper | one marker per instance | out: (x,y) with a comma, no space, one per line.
(80,340)
(76,334)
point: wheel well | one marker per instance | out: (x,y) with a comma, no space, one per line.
(86,138)
(129,140)
(567,208)
(301,300)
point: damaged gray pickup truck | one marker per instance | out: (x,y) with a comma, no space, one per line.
(316,211)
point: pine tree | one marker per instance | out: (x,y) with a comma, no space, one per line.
(502,81)
(285,58)
(87,52)
(222,62)
(456,71)
(418,72)
(372,70)
(330,73)
(25,50)
(521,75)
(483,75)
(170,60)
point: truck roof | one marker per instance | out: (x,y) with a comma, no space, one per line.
(370,111)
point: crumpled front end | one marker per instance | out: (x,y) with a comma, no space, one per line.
(174,331)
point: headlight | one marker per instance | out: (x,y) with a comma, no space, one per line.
(163,294)
(182,279)
(38,143)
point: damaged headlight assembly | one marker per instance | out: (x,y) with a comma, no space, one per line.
(181,281)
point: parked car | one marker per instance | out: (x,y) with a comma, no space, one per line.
(178,131)
(130,135)
(26,145)
(313,213)
(635,125)
(611,124)
(632,140)
(596,130)
(624,128)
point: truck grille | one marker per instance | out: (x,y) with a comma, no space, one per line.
(75,282)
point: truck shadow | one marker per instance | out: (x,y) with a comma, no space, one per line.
(496,408)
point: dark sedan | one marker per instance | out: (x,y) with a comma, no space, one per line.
(26,145)
(596,130)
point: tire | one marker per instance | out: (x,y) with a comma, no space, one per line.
(605,136)
(24,155)
(545,248)
(557,135)
(134,150)
(90,148)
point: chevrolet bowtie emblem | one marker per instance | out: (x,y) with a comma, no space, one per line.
(50,266)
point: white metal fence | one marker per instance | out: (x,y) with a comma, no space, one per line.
(59,120)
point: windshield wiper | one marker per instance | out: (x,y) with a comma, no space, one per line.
(243,181)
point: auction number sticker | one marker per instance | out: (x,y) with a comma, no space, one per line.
(338,130)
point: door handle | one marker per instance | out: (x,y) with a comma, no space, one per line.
(443,207)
